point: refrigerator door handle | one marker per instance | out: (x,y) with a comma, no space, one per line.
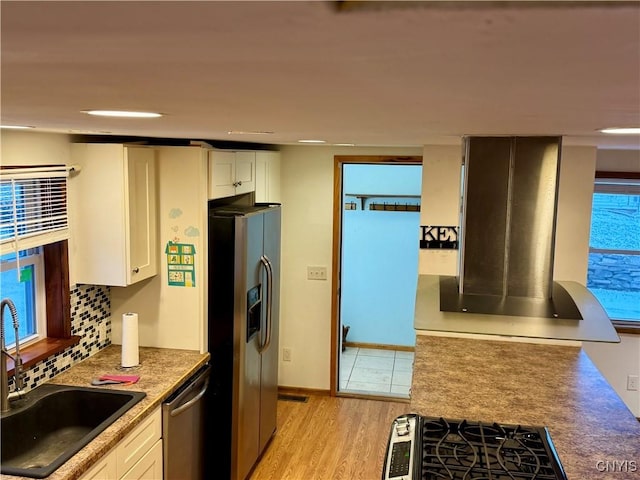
(269,269)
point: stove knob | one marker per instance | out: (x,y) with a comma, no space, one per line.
(403,428)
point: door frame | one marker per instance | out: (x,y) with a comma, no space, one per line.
(336,261)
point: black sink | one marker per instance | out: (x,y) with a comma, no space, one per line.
(54,422)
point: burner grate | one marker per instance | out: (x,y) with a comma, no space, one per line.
(476,450)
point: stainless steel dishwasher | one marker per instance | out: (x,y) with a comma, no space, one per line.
(183,429)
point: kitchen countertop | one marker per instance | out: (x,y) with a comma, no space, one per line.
(161,372)
(530,384)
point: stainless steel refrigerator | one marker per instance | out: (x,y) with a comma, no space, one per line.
(243,306)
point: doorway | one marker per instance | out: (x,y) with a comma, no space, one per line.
(375,264)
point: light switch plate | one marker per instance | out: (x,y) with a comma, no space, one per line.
(316,273)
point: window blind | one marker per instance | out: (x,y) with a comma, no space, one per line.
(33,207)
(621,186)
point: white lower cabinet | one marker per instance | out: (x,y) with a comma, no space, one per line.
(105,469)
(137,456)
(149,467)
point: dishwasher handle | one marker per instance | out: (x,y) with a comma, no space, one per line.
(174,412)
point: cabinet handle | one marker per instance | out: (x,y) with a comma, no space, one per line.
(239,183)
(136,270)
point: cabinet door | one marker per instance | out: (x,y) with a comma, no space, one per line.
(149,467)
(245,172)
(105,469)
(137,443)
(112,208)
(222,174)
(267,177)
(96,208)
(141,196)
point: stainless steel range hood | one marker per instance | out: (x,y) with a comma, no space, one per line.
(509,213)
(505,281)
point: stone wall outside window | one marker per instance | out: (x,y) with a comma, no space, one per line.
(614,272)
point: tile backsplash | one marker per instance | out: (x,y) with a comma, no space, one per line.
(91,320)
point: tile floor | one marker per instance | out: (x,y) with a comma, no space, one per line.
(376,371)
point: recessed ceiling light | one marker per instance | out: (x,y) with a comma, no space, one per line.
(16,127)
(622,131)
(122,114)
(311,141)
(248,132)
(90,132)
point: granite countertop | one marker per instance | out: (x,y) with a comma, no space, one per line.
(161,372)
(530,384)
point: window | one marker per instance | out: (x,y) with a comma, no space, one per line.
(33,257)
(614,247)
(25,286)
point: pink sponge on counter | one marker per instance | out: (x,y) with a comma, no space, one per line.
(121,378)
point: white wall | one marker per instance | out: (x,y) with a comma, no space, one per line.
(307,233)
(613,160)
(441,168)
(34,148)
(172,316)
(617,360)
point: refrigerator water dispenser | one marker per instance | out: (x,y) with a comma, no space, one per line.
(254,309)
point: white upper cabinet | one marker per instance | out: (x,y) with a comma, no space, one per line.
(113,214)
(231,173)
(267,177)
(222,174)
(245,172)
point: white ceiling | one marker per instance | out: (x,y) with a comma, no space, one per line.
(389,74)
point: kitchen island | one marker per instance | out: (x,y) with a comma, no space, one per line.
(161,372)
(557,386)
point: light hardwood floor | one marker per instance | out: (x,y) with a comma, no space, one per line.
(329,438)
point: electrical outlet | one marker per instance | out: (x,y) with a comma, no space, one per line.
(102,332)
(286,354)
(316,273)
(632,382)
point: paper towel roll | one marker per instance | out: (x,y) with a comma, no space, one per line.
(130,340)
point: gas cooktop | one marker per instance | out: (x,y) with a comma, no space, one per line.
(425,448)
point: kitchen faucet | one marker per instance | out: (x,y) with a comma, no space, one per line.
(18,391)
